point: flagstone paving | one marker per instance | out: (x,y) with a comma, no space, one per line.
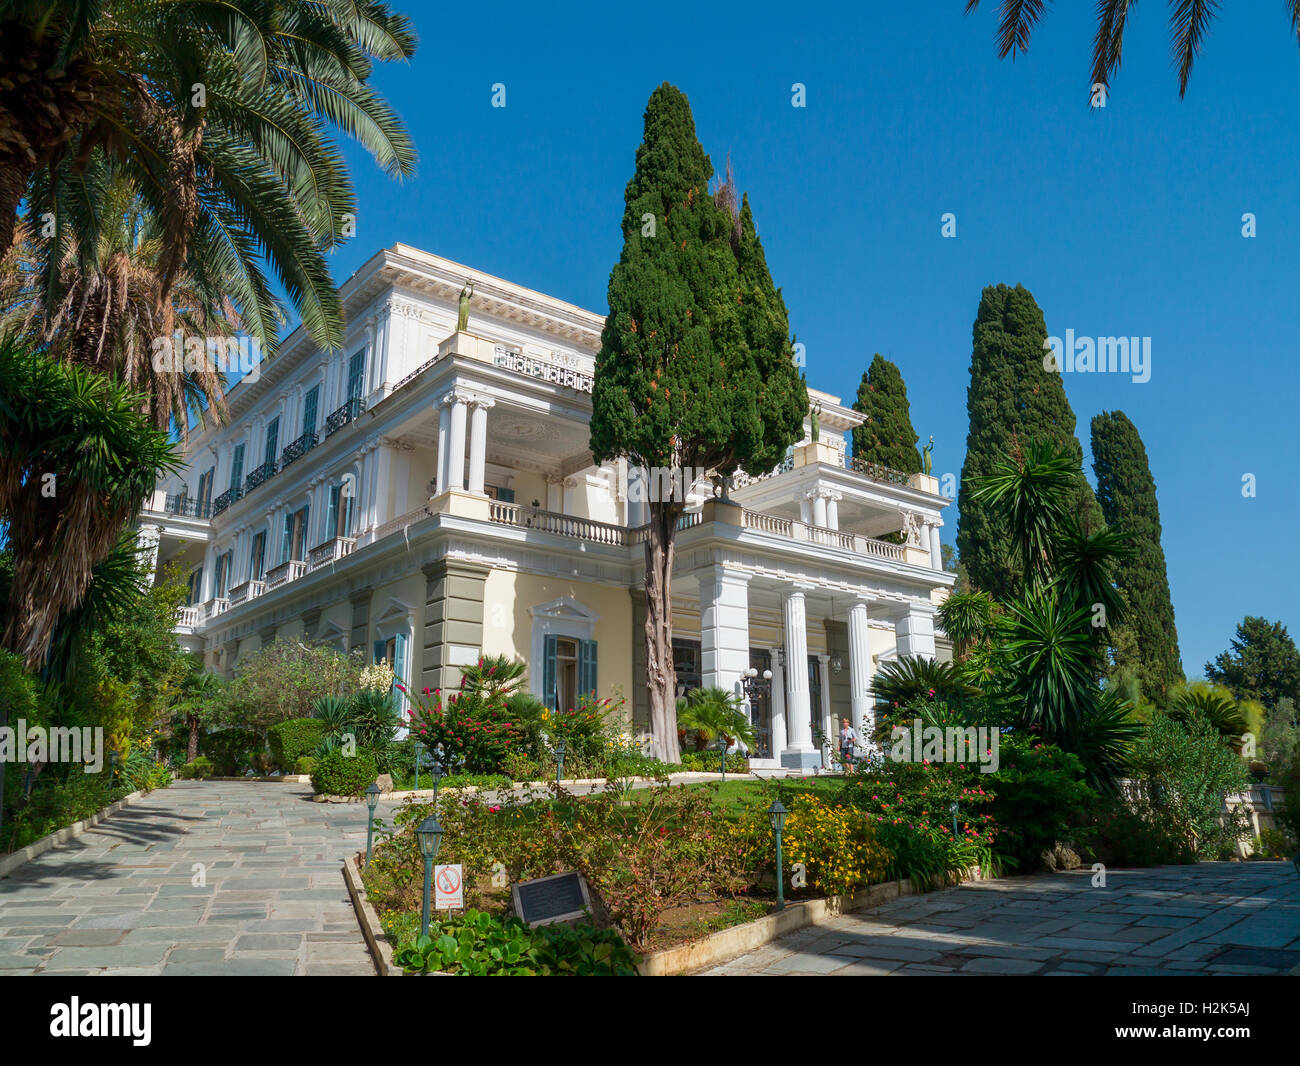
(1212,918)
(121,898)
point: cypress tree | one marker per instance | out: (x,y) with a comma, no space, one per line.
(1127,494)
(887,436)
(1012,401)
(696,367)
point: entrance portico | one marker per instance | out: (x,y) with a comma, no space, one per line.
(790,622)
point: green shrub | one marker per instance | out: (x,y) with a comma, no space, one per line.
(1039,798)
(336,774)
(231,750)
(304,764)
(197,768)
(293,739)
(520,766)
(709,762)
(479,945)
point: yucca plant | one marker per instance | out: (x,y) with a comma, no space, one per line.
(334,712)
(1216,706)
(912,677)
(87,433)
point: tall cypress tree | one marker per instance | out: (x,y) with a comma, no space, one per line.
(696,366)
(1012,401)
(1127,494)
(887,436)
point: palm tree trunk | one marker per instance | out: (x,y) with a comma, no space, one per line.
(192,748)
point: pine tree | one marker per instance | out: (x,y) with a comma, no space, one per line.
(887,436)
(1012,401)
(695,368)
(1262,664)
(1127,494)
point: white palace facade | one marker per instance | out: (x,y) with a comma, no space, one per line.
(428,495)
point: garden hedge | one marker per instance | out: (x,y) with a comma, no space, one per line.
(336,774)
(293,739)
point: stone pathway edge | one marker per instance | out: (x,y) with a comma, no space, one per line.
(9,863)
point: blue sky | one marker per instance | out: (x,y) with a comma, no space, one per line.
(1122,221)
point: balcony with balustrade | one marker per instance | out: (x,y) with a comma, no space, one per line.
(297,449)
(330,551)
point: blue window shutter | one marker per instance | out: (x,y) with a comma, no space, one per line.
(356,371)
(237,468)
(347,514)
(587,666)
(272,439)
(550,692)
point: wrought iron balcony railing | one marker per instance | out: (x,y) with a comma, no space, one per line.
(259,474)
(225,500)
(187,507)
(345,414)
(298,449)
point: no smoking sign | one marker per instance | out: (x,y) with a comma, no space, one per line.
(448,887)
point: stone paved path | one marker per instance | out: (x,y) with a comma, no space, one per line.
(119,899)
(1213,918)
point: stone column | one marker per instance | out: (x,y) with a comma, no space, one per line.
(456,444)
(724,627)
(778,703)
(147,539)
(833,511)
(936,546)
(382,496)
(799,752)
(914,631)
(824,673)
(444,442)
(819,509)
(860,702)
(478,443)
(805,509)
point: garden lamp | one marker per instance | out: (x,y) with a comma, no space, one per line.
(437,771)
(724,743)
(778,812)
(430,837)
(560,749)
(372,798)
(419,761)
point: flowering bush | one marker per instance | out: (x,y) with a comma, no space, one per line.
(836,843)
(377,676)
(582,728)
(472,729)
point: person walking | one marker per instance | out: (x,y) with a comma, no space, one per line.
(848,740)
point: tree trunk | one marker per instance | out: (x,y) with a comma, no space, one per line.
(661,680)
(192,748)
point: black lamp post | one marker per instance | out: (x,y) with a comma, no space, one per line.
(560,749)
(778,812)
(419,761)
(372,797)
(722,743)
(430,837)
(437,771)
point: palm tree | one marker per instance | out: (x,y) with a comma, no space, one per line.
(94,299)
(714,713)
(221,117)
(77,459)
(200,691)
(1189,21)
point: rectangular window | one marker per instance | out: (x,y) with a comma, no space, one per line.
(224,561)
(272,439)
(338,513)
(237,468)
(294,544)
(356,374)
(309,410)
(257,558)
(504,495)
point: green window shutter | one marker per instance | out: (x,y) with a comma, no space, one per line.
(587,666)
(237,469)
(272,440)
(550,693)
(399,663)
(356,370)
(309,410)
(332,514)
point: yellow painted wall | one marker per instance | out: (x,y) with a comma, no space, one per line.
(508,625)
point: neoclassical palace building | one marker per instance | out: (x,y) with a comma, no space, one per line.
(427,495)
